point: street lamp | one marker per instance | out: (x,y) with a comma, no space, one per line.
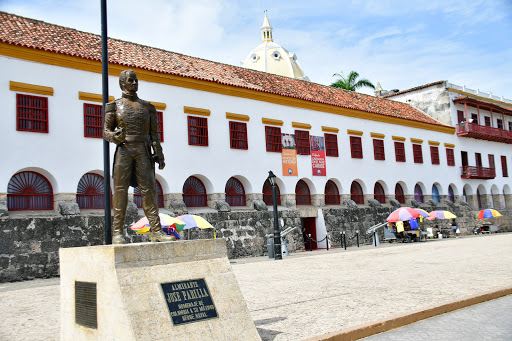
(277,232)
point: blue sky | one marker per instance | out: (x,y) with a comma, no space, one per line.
(401,44)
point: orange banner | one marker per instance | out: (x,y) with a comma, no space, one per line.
(289,155)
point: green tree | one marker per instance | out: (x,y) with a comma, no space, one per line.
(351,83)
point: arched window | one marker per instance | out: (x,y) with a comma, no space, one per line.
(418,194)
(235,193)
(378,193)
(267,194)
(479,199)
(435,194)
(399,194)
(194,192)
(29,191)
(332,195)
(137,195)
(464,196)
(90,191)
(356,193)
(451,194)
(302,194)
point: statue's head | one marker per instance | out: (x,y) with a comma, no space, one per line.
(128,81)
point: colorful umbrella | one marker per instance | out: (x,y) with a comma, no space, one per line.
(170,225)
(423,213)
(488,213)
(194,221)
(440,214)
(403,214)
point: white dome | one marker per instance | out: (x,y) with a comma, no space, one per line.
(273,58)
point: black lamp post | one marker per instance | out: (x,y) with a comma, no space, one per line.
(277,232)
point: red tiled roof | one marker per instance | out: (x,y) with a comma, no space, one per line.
(39,35)
(413,89)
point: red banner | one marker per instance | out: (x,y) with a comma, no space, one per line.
(317,155)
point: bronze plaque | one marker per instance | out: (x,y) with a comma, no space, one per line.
(86,305)
(189,301)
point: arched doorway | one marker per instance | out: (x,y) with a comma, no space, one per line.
(267,194)
(302,193)
(235,192)
(29,191)
(90,192)
(356,193)
(332,195)
(194,192)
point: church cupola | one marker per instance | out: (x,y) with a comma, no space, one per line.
(266,29)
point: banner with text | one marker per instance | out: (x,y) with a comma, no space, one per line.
(317,146)
(289,155)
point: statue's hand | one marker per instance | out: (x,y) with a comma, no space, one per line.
(119,136)
(161,164)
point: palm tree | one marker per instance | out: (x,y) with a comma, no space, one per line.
(349,83)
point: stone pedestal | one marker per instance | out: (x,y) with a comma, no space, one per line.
(115,292)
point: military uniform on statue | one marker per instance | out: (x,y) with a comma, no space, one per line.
(131,124)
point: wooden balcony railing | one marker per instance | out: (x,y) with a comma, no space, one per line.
(471,172)
(484,132)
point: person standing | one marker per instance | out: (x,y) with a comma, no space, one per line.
(454,228)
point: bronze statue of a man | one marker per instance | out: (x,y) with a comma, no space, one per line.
(131,124)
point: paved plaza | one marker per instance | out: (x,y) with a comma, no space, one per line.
(310,294)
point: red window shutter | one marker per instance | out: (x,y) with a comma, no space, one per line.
(450,157)
(460,116)
(332,195)
(93,120)
(238,135)
(273,139)
(331,145)
(356,147)
(378,149)
(434,155)
(379,194)
(491,161)
(418,153)
(197,131)
(31,113)
(235,192)
(29,191)
(302,142)
(399,152)
(302,194)
(268,196)
(194,193)
(487,121)
(399,194)
(160,120)
(356,193)
(504,167)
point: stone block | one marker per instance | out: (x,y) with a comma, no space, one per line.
(259,205)
(222,206)
(69,208)
(131,303)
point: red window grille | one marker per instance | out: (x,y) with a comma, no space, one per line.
(331,145)
(267,194)
(399,152)
(378,149)
(504,167)
(31,113)
(302,142)
(302,194)
(418,153)
(434,155)
(160,120)
(273,139)
(90,191)
(332,195)
(238,135)
(194,192)
(235,193)
(197,131)
(356,193)
(29,191)
(450,157)
(137,196)
(356,147)
(399,194)
(378,193)
(93,120)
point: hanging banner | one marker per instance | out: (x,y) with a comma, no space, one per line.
(317,145)
(289,155)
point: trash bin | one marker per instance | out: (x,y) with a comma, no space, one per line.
(270,247)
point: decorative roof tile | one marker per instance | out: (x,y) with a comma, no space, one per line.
(40,35)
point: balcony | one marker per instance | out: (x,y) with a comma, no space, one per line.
(480,132)
(470,172)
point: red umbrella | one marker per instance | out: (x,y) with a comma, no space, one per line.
(403,214)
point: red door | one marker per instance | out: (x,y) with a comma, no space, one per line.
(310,225)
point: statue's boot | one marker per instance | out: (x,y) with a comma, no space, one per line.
(118,238)
(159,236)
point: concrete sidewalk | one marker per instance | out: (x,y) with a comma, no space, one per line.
(310,294)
